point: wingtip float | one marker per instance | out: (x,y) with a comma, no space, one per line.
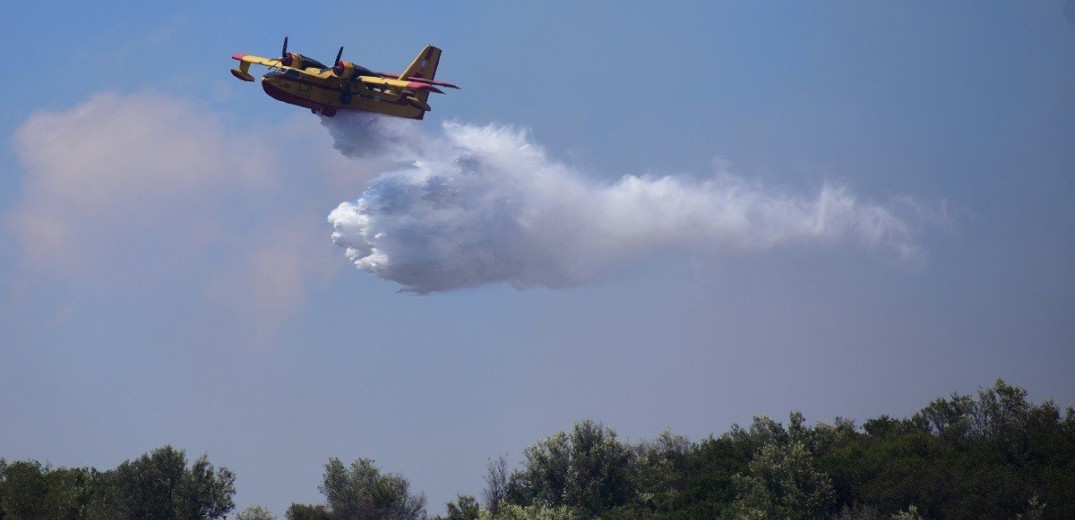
(302,81)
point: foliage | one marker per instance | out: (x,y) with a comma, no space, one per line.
(910,514)
(362,492)
(992,455)
(24,490)
(782,483)
(465,507)
(255,513)
(157,485)
(859,512)
(308,512)
(1035,510)
(589,470)
(660,468)
(531,512)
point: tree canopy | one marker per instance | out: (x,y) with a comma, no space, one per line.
(157,485)
(991,455)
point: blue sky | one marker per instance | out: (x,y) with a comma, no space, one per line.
(167,274)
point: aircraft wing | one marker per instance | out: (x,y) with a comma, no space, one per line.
(257,60)
(247,59)
(397,83)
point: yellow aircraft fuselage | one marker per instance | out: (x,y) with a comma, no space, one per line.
(325,95)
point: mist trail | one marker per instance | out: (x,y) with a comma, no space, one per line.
(471,205)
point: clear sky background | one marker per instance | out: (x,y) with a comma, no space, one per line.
(167,274)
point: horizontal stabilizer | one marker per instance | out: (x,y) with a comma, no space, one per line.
(399,83)
(419,80)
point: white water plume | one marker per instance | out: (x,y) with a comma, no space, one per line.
(482,204)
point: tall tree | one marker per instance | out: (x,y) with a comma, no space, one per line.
(661,468)
(465,507)
(362,492)
(496,483)
(589,470)
(70,491)
(308,512)
(159,485)
(783,483)
(255,512)
(3,485)
(543,477)
(24,490)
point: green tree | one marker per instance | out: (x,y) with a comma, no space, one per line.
(24,490)
(600,476)
(910,514)
(783,483)
(496,483)
(255,512)
(543,478)
(3,486)
(590,470)
(308,512)
(859,512)
(531,512)
(207,492)
(35,491)
(362,492)
(1035,510)
(70,492)
(465,507)
(962,457)
(660,469)
(159,485)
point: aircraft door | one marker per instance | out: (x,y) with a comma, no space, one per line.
(303,90)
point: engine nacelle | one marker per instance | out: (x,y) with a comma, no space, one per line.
(347,70)
(344,70)
(298,61)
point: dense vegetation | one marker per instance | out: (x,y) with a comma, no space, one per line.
(995,456)
(157,485)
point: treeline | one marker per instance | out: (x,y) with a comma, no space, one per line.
(994,455)
(156,485)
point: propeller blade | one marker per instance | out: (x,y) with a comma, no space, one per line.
(338,56)
(285,57)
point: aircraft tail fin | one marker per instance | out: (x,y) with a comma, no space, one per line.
(424,67)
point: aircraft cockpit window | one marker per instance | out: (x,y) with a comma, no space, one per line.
(291,73)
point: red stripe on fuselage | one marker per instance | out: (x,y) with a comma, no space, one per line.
(280,94)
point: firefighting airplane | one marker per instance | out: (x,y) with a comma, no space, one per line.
(306,82)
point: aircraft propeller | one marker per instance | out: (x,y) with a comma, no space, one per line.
(339,70)
(338,56)
(285,57)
